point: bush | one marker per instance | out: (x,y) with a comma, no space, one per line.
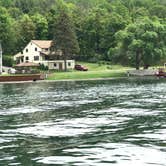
(109,67)
(43,67)
(7,60)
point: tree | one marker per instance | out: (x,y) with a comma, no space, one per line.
(141,42)
(25,5)
(64,37)
(159,11)
(7,35)
(41,26)
(90,31)
(26,30)
(6,3)
(113,24)
(15,13)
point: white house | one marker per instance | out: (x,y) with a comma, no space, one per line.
(39,51)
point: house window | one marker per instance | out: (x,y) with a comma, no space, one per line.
(36,58)
(26,58)
(47,58)
(69,63)
(22,59)
(26,50)
(36,49)
(55,65)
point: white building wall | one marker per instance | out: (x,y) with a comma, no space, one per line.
(30,52)
(58,64)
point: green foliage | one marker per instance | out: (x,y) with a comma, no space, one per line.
(7,60)
(41,26)
(105,29)
(6,32)
(142,42)
(26,31)
(43,67)
(159,11)
(64,36)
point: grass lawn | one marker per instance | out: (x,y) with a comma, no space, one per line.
(94,71)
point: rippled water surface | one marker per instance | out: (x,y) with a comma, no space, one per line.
(98,123)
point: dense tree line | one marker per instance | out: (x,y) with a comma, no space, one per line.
(130,32)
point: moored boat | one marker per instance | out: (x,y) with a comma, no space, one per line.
(160,73)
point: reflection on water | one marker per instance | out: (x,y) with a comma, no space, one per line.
(117,122)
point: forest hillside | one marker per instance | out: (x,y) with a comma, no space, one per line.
(121,31)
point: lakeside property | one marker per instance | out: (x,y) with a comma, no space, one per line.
(102,70)
(41,52)
(95,71)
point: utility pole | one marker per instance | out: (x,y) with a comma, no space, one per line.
(0,58)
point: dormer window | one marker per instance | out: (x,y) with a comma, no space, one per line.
(35,48)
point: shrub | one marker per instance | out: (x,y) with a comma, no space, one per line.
(43,67)
(7,60)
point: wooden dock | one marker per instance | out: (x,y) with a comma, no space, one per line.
(16,78)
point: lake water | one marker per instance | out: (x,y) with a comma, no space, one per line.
(95,123)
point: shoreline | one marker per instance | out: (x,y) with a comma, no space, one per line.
(63,80)
(78,80)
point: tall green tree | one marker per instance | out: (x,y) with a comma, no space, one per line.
(24,5)
(142,42)
(26,31)
(64,36)
(41,26)
(7,34)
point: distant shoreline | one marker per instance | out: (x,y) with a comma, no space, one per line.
(78,80)
(63,80)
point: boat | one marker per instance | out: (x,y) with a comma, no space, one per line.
(160,73)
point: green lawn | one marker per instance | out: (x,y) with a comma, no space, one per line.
(95,71)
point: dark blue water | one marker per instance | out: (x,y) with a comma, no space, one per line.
(118,123)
